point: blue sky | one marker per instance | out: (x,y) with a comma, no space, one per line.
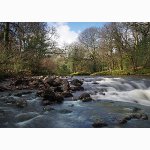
(68,31)
(80,26)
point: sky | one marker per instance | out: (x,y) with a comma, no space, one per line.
(68,31)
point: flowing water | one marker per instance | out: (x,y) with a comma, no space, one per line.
(119,89)
(114,98)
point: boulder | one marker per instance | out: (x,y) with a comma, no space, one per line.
(58,89)
(21,103)
(49,80)
(59,98)
(65,85)
(85,97)
(21,81)
(76,82)
(77,88)
(52,81)
(3,88)
(48,94)
(65,111)
(50,97)
(22,93)
(94,82)
(67,94)
(142,116)
(99,124)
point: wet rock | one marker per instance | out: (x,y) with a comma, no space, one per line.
(57,82)
(135,101)
(114,94)
(71,105)
(102,93)
(59,98)
(52,81)
(39,93)
(65,85)
(48,108)
(65,111)
(37,83)
(3,88)
(58,89)
(133,116)
(49,80)
(77,88)
(46,102)
(67,94)
(95,82)
(76,82)
(48,94)
(136,116)
(22,93)
(103,90)
(50,97)
(99,124)
(2,113)
(144,117)
(21,81)
(136,109)
(10,100)
(123,121)
(21,103)
(85,97)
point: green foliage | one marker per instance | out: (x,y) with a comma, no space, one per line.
(102,73)
(63,70)
(113,73)
(80,74)
(144,71)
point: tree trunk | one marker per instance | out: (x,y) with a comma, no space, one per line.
(6,35)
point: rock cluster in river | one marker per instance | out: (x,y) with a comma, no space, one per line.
(51,88)
(142,116)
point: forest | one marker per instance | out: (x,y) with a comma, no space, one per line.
(117,48)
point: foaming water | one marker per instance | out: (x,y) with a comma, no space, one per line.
(119,89)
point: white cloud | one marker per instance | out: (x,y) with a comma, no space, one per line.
(66,35)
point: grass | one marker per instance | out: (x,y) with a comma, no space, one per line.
(123,72)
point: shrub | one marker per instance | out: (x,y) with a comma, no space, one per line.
(80,74)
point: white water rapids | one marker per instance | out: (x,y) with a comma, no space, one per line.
(119,89)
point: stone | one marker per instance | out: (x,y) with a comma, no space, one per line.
(21,81)
(85,97)
(58,89)
(77,88)
(65,111)
(48,94)
(95,82)
(67,94)
(123,121)
(21,103)
(59,98)
(99,124)
(65,85)
(136,109)
(76,82)
(2,88)
(22,93)
(144,117)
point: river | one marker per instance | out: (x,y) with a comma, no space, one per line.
(113,98)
